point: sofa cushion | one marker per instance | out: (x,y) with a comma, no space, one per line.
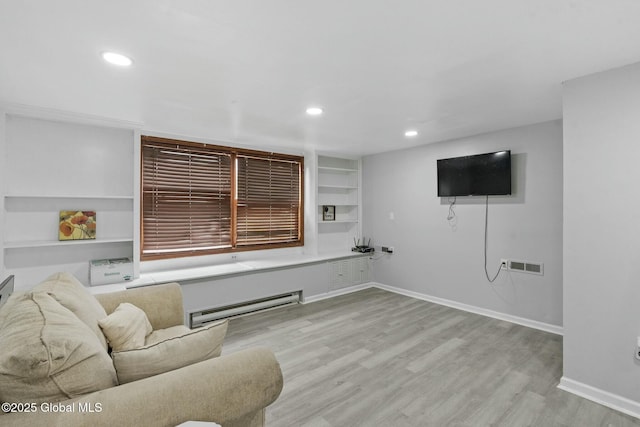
(69,292)
(172,353)
(48,354)
(164,334)
(126,328)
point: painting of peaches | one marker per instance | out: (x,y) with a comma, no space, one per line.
(77,225)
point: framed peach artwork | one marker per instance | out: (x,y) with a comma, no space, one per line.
(77,225)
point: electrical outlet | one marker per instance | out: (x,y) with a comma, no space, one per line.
(638,348)
(504,264)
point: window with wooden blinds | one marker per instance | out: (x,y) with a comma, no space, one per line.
(200,198)
(268,201)
(186,198)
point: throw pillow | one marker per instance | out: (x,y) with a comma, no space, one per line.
(126,328)
(47,353)
(185,349)
(69,292)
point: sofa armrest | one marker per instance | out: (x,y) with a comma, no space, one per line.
(161,303)
(228,390)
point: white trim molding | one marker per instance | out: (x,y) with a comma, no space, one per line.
(610,400)
(547,327)
(336,293)
(51,114)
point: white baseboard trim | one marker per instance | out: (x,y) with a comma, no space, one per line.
(337,292)
(547,327)
(610,400)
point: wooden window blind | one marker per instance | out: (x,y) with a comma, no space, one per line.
(268,201)
(200,198)
(186,198)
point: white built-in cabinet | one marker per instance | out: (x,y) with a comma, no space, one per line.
(348,272)
(51,165)
(338,185)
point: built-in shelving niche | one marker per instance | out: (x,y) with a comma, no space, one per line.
(53,165)
(338,186)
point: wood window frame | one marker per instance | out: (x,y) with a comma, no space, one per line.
(234,152)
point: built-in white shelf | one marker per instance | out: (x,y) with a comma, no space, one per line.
(84,164)
(30,219)
(339,187)
(338,170)
(63,196)
(51,243)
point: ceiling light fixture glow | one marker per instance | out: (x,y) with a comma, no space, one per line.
(117,59)
(314,111)
(411,133)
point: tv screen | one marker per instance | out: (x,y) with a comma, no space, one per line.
(479,175)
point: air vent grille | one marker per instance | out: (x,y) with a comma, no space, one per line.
(527,267)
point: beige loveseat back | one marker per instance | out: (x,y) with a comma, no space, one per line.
(231,390)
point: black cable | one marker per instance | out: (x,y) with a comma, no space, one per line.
(486,225)
(452,213)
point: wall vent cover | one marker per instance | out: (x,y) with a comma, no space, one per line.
(527,267)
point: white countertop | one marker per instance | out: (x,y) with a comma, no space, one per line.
(221,270)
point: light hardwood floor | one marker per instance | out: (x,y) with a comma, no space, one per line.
(375,358)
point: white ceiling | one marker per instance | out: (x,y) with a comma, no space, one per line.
(244,71)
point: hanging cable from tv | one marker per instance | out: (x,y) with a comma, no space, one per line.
(486,226)
(452,213)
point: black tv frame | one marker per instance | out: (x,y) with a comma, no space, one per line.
(479,171)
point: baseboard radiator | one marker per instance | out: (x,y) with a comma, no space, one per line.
(202,317)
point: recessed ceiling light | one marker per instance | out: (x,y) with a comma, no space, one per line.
(314,111)
(411,133)
(117,59)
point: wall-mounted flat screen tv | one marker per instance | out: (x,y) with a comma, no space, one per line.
(478,175)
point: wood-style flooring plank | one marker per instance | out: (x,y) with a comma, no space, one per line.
(375,358)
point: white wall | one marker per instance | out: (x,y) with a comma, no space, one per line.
(602,231)
(436,259)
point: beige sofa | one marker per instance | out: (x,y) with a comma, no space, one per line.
(231,390)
